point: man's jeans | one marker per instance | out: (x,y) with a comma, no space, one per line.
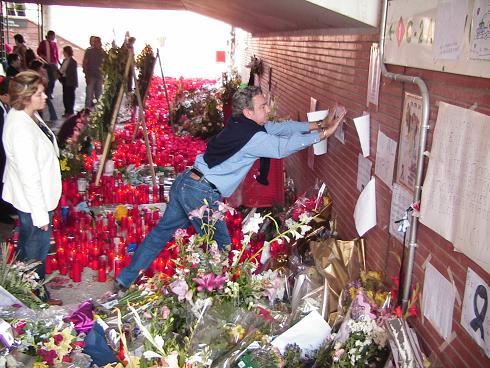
(33,242)
(52,112)
(186,195)
(93,91)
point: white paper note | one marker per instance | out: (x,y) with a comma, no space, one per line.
(438,301)
(309,334)
(365,211)
(449,30)
(480,31)
(385,158)
(364,167)
(456,195)
(474,317)
(362,126)
(374,75)
(400,201)
(340,131)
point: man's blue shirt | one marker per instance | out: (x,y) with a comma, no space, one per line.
(281,140)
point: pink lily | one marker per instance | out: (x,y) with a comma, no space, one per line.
(209,282)
(198,212)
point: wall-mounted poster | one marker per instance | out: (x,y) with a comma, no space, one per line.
(480,31)
(448,36)
(409,140)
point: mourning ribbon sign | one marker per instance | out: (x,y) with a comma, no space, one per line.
(477,323)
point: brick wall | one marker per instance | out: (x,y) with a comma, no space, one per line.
(334,68)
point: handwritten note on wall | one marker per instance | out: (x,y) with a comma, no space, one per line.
(456,191)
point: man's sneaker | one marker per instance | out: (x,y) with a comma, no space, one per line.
(119,289)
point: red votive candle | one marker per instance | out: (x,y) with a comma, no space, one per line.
(118,262)
(102,275)
(48,266)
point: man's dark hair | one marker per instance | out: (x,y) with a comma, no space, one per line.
(68,50)
(35,65)
(50,33)
(4,86)
(242,99)
(11,58)
(19,38)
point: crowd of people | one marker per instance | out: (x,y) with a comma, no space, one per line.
(47,61)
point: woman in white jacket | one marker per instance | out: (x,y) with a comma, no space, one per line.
(32,178)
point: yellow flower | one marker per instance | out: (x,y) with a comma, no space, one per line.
(374,275)
(120,212)
(40,365)
(64,165)
(352,292)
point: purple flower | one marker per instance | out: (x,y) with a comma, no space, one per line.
(209,282)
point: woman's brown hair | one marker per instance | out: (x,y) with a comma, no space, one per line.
(22,87)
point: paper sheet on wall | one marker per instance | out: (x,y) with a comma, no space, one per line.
(310,156)
(475,316)
(456,195)
(364,166)
(438,301)
(385,158)
(480,31)
(449,31)
(340,131)
(374,75)
(401,199)
(365,211)
(362,124)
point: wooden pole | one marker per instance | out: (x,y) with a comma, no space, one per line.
(143,124)
(163,78)
(143,98)
(115,112)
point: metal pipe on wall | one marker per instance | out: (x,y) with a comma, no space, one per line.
(407,282)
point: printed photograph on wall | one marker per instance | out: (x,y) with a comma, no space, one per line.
(409,139)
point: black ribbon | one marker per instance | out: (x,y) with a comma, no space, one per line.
(477,323)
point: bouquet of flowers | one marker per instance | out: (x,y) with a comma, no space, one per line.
(364,346)
(230,85)
(20,279)
(198,112)
(210,303)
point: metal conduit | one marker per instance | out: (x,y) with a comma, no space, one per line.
(420,159)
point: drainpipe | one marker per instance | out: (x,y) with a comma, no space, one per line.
(420,159)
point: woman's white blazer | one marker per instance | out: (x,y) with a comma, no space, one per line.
(32,177)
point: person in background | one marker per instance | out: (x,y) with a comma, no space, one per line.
(48,51)
(92,67)
(20,49)
(38,66)
(32,178)
(30,56)
(229,156)
(6,209)
(13,67)
(69,80)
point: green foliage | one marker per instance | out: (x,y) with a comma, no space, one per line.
(230,84)
(113,71)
